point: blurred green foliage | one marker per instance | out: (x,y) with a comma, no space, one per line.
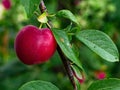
(103,15)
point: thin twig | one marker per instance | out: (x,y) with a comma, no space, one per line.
(65,61)
(42,7)
(67,67)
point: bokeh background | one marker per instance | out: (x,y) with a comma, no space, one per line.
(102,15)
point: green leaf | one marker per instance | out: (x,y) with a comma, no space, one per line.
(77,84)
(77,71)
(30,6)
(68,28)
(38,85)
(107,84)
(78,76)
(100,43)
(64,43)
(67,14)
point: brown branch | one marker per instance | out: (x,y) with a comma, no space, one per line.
(65,61)
(67,67)
(42,7)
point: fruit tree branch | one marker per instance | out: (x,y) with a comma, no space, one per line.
(42,7)
(67,66)
(65,61)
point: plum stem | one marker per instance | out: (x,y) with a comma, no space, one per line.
(40,26)
(65,60)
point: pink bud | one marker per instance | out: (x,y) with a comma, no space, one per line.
(6,4)
(100,75)
(76,2)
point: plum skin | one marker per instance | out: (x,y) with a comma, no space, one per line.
(34,45)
